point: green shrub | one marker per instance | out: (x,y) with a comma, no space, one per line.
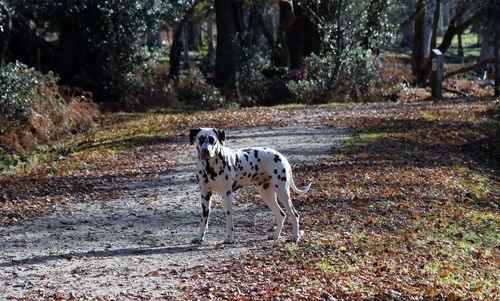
(18,93)
(193,88)
(352,35)
(35,110)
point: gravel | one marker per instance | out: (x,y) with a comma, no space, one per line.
(138,246)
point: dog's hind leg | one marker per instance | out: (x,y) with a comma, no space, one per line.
(269,197)
(283,194)
(205,204)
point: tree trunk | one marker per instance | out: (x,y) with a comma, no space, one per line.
(487,46)
(429,12)
(194,33)
(210,42)
(445,13)
(185,44)
(175,53)
(435,24)
(453,28)
(418,45)
(497,62)
(176,47)
(264,23)
(475,66)
(303,37)
(407,25)
(340,42)
(229,17)
(460,50)
(287,19)
(434,31)
(440,27)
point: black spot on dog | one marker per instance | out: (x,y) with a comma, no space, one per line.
(228,212)
(275,172)
(276,186)
(227,177)
(283,171)
(266,185)
(246,156)
(210,171)
(256,153)
(228,193)
(216,161)
(277,159)
(256,167)
(206,211)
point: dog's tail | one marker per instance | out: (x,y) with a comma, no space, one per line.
(294,188)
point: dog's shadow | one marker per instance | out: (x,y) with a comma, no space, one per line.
(131,252)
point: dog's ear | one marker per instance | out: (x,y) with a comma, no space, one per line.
(221,135)
(192,135)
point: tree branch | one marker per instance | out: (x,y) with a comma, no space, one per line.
(468,68)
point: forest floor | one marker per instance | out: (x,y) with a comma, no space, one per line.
(404,205)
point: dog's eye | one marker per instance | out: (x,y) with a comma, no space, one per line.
(202,140)
(211,140)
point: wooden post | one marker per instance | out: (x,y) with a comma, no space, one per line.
(437,74)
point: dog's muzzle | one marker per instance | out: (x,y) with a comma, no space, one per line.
(205,153)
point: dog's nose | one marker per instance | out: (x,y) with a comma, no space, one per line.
(205,153)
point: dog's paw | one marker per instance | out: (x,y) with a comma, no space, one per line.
(197,240)
(295,238)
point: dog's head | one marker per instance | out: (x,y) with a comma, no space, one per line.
(208,141)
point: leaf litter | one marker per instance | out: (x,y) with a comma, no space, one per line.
(405,208)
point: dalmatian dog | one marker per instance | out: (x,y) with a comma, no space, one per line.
(223,170)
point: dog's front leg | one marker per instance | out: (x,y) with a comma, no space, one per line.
(205,204)
(228,202)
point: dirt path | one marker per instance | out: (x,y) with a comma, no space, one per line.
(137,247)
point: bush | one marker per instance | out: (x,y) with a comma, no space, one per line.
(147,88)
(193,88)
(92,44)
(34,110)
(352,35)
(18,87)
